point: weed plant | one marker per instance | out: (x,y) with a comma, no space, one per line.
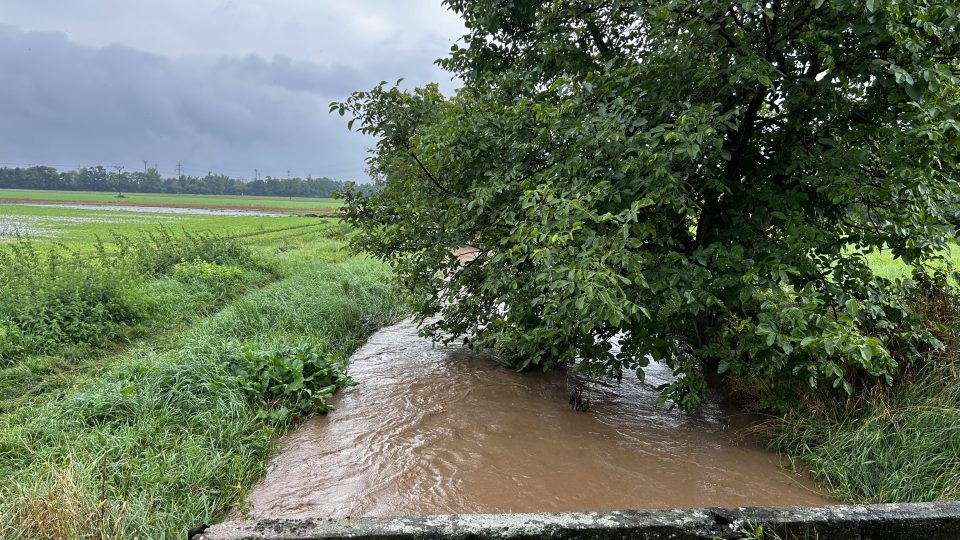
(56,296)
(157,252)
(287,383)
(53,296)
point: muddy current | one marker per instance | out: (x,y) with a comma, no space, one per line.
(434,430)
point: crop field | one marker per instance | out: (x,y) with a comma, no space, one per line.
(83,225)
(146,359)
(280,204)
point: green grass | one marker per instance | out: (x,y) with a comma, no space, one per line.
(83,226)
(147,432)
(885,265)
(92,197)
(886,444)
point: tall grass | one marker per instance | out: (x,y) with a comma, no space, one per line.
(164,441)
(887,444)
(53,296)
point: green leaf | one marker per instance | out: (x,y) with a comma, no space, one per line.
(828,345)
(914,92)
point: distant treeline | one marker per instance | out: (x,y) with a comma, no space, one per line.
(101,179)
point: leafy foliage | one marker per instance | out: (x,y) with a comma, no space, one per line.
(159,251)
(887,444)
(288,383)
(700,180)
(217,281)
(53,296)
(198,271)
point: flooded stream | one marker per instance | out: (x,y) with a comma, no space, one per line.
(434,430)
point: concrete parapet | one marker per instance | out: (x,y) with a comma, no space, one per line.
(934,521)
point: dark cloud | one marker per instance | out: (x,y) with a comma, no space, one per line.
(65,103)
(284,72)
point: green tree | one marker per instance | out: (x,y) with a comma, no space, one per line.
(699,181)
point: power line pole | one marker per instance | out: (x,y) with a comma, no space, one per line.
(144,166)
(119,180)
(256,174)
(179,171)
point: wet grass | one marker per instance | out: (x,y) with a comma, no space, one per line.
(84,226)
(144,438)
(886,444)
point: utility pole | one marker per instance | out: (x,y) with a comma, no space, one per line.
(256,174)
(179,171)
(144,166)
(119,180)
(288,174)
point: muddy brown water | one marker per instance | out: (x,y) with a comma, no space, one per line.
(433,430)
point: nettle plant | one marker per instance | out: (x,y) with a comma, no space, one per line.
(701,179)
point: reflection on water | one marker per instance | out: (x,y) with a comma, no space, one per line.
(433,430)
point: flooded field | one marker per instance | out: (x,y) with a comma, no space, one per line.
(50,226)
(158,209)
(445,430)
(86,223)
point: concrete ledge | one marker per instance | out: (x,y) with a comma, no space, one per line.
(935,521)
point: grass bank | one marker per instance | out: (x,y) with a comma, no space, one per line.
(897,443)
(160,439)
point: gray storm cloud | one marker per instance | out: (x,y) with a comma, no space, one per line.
(65,103)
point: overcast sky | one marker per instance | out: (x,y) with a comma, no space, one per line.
(226,86)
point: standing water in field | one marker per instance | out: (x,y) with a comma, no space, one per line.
(434,430)
(159,209)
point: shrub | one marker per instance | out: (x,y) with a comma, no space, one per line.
(212,277)
(897,443)
(158,252)
(287,383)
(57,296)
(53,296)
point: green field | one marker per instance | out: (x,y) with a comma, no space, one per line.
(293,204)
(84,226)
(133,350)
